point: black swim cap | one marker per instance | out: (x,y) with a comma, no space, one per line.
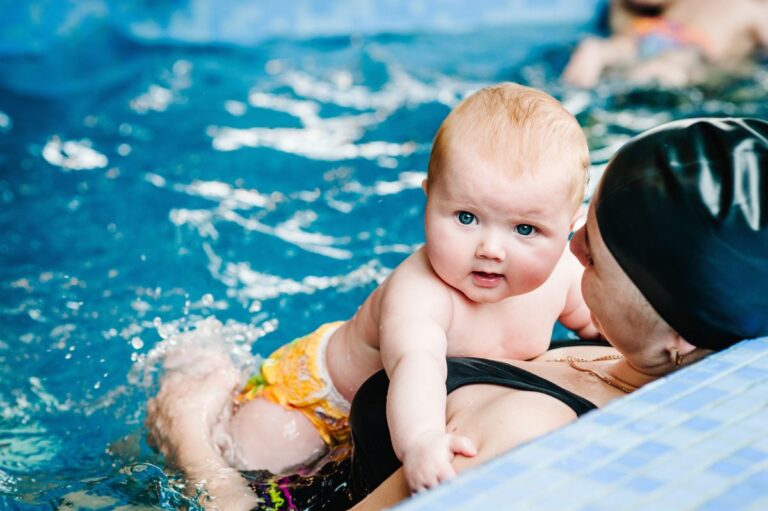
(684,210)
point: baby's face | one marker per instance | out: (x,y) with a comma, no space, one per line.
(492,236)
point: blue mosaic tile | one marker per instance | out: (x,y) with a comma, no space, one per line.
(614,498)
(750,455)
(569,465)
(752,374)
(510,468)
(714,365)
(644,426)
(680,437)
(761,363)
(697,399)
(701,424)
(727,468)
(760,504)
(657,396)
(644,484)
(608,418)
(608,473)
(693,375)
(677,498)
(696,440)
(739,404)
(631,460)
(559,441)
(707,484)
(736,497)
(759,479)
(758,345)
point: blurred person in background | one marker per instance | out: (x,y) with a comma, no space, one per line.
(672,42)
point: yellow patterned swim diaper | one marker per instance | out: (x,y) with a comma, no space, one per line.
(296,377)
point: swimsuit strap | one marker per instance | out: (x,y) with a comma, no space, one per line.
(471,371)
(570,343)
(374,459)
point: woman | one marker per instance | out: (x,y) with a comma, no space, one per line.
(675,250)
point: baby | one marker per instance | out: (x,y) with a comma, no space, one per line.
(506,180)
(672,42)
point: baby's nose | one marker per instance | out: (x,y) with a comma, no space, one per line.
(490,247)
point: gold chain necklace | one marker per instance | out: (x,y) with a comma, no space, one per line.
(624,387)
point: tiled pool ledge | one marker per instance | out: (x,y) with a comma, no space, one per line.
(697,439)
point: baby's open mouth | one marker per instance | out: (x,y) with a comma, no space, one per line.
(487,275)
(486,279)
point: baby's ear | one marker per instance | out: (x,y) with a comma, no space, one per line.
(424,186)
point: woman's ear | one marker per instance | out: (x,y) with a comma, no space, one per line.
(424,186)
(683,346)
(684,353)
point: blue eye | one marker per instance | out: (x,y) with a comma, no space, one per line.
(465,217)
(525,229)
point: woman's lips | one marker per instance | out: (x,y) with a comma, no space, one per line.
(484,279)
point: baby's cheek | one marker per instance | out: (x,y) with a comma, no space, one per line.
(536,269)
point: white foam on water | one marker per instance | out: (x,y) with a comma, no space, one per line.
(73,155)
(337,138)
(156,99)
(6,123)
(249,284)
(230,197)
(231,338)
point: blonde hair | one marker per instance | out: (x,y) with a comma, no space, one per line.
(510,122)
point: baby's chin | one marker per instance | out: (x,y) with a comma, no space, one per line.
(484,295)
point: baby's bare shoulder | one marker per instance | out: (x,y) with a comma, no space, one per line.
(567,271)
(414,284)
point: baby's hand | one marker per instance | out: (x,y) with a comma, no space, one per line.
(428,461)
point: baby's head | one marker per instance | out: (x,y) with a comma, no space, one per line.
(506,179)
(518,129)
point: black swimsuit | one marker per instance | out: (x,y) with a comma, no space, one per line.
(374,459)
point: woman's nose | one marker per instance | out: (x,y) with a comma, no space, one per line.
(579,246)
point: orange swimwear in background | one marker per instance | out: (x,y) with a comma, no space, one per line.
(657,34)
(296,377)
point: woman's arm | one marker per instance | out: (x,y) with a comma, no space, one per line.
(192,398)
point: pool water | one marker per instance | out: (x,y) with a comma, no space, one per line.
(269,189)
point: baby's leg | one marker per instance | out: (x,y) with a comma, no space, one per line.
(266,436)
(180,419)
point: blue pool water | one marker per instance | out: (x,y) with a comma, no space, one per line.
(145,187)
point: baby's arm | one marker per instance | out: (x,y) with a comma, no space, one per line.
(576,315)
(414,317)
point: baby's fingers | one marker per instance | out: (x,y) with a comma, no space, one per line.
(460,444)
(446,473)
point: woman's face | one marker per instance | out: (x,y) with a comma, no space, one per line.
(619,310)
